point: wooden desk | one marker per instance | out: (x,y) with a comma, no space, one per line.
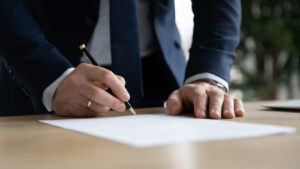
(25,143)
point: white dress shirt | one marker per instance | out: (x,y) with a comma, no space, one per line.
(99,47)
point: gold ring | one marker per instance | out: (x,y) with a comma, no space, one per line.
(89,104)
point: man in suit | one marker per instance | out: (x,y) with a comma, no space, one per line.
(138,44)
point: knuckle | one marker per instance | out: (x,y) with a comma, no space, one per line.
(202,84)
(95,95)
(216,93)
(107,75)
(205,84)
(199,92)
(191,87)
(173,94)
(82,66)
(195,89)
(72,79)
(170,101)
(228,96)
(113,104)
(122,80)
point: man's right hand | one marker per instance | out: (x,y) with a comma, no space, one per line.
(89,83)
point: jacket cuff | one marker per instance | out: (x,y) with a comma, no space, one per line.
(207,75)
(214,61)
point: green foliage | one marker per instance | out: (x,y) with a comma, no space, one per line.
(274,25)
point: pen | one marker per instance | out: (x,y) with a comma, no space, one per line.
(93,61)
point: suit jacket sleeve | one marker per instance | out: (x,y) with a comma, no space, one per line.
(34,62)
(215,38)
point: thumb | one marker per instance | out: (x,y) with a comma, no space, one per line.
(174,103)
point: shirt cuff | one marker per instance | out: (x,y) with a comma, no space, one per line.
(50,90)
(207,75)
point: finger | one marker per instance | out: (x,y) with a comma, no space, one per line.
(215,103)
(239,108)
(87,112)
(174,103)
(228,107)
(101,85)
(77,110)
(102,97)
(200,104)
(108,78)
(94,106)
(98,108)
(122,80)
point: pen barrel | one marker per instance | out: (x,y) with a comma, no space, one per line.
(127,104)
(89,56)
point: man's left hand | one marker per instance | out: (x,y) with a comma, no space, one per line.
(207,100)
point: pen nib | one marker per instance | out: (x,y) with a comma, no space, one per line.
(132,111)
(129,107)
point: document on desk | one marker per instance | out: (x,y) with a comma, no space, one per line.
(162,129)
(288,105)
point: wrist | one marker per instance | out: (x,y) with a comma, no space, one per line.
(50,91)
(214,83)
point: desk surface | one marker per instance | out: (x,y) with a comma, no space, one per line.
(26,143)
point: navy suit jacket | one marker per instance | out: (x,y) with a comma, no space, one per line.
(39,40)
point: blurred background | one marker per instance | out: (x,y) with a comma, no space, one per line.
(268,62)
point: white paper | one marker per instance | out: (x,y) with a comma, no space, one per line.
(162,129)
(293,104)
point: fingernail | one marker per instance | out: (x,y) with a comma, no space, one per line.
(240,112)
(200,114)
(216,112)
(203,114)
(228,114)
